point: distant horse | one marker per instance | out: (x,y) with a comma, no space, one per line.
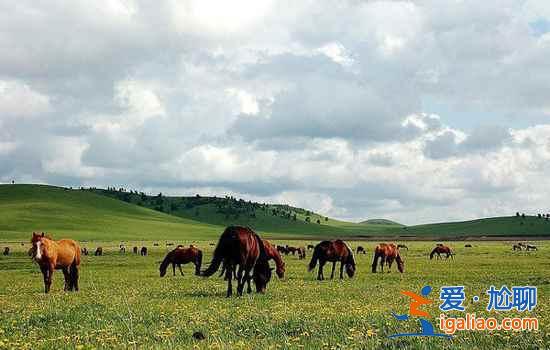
(180,256)
(531,247)
(84,251)
(242,247)
(402,246)
(310,246)
(333,251)
(442,249)
(291,250)
(6,251)
(122,249)
(282,249)
(273,253)
(155,244)
(360,250)
(301,253)
(387,252)
(98,251)
(135,250)
(56,255)
(467,246)
(517,247)
(143,251)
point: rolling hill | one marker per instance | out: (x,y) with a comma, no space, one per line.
(380,222)
(96,214)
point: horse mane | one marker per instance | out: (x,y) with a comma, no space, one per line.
(351,259)
(167,260)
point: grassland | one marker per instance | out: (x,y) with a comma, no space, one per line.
(123,303)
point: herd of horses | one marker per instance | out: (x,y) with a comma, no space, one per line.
(240,254)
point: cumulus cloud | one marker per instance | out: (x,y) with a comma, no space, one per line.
(415,111)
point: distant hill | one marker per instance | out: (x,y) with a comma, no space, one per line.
(380,222)
(86,215)
(510,226)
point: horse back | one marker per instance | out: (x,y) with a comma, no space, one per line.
(68,252)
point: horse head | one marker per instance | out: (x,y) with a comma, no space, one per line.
(400,263)
(37,245)
(262,275)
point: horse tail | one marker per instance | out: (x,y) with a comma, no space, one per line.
(314,257)
(164,264)
(198,263)
(73,269)
(377,254)
(219,253)
(77,254)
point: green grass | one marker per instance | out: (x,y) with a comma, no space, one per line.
(123,303)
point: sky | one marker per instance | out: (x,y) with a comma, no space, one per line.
(416,111)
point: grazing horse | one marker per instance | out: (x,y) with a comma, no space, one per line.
(84,251)
(310,246)
(242,247)
(180,256)
(530,247)
(387,252)
(56,255)
(301,253)
(360,250)
(517,247)
(402,246)
(333,251)
(442,249)
(122,249)
(282,249)
(135,250)
(6,251)
(273,253)
(143,251)
(98,251)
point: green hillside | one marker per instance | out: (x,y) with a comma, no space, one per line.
(84,215)
(499,226)
(95,214)
(274,219)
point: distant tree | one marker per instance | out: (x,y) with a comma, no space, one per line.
(308,219)
(197,212)
(517,213)
(326,218)
(294,217)
(523,215)
(319,221)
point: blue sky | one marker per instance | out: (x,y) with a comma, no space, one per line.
(413,111)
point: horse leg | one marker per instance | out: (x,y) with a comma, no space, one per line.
(374,263)
(74,276)
(174,269)
(240,280)
(320,276)
(48,272)
(341,269)
(68,284)
(333,266)
(229,277)
(382,262)
(390,262)
(247,277)
(181,271)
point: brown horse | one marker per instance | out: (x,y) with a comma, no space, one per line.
(301,253)
(56,255)
(6,251)
(242,247)
(98,251)
(442,249)
(273,253)
(135,250)
(180,256)
(387,252)
(333,251)
(84,251)
(143,251)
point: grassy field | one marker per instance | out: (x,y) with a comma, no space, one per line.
(123,303)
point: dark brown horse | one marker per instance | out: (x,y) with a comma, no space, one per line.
(6,251)
(242,247)
(135,250)
(84,251)
(387,252)
(143,251)
(442,249)
(56,255)
(360,250)
(301,253)
(181,256)
(98,251)
(333,251)
(273,253)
